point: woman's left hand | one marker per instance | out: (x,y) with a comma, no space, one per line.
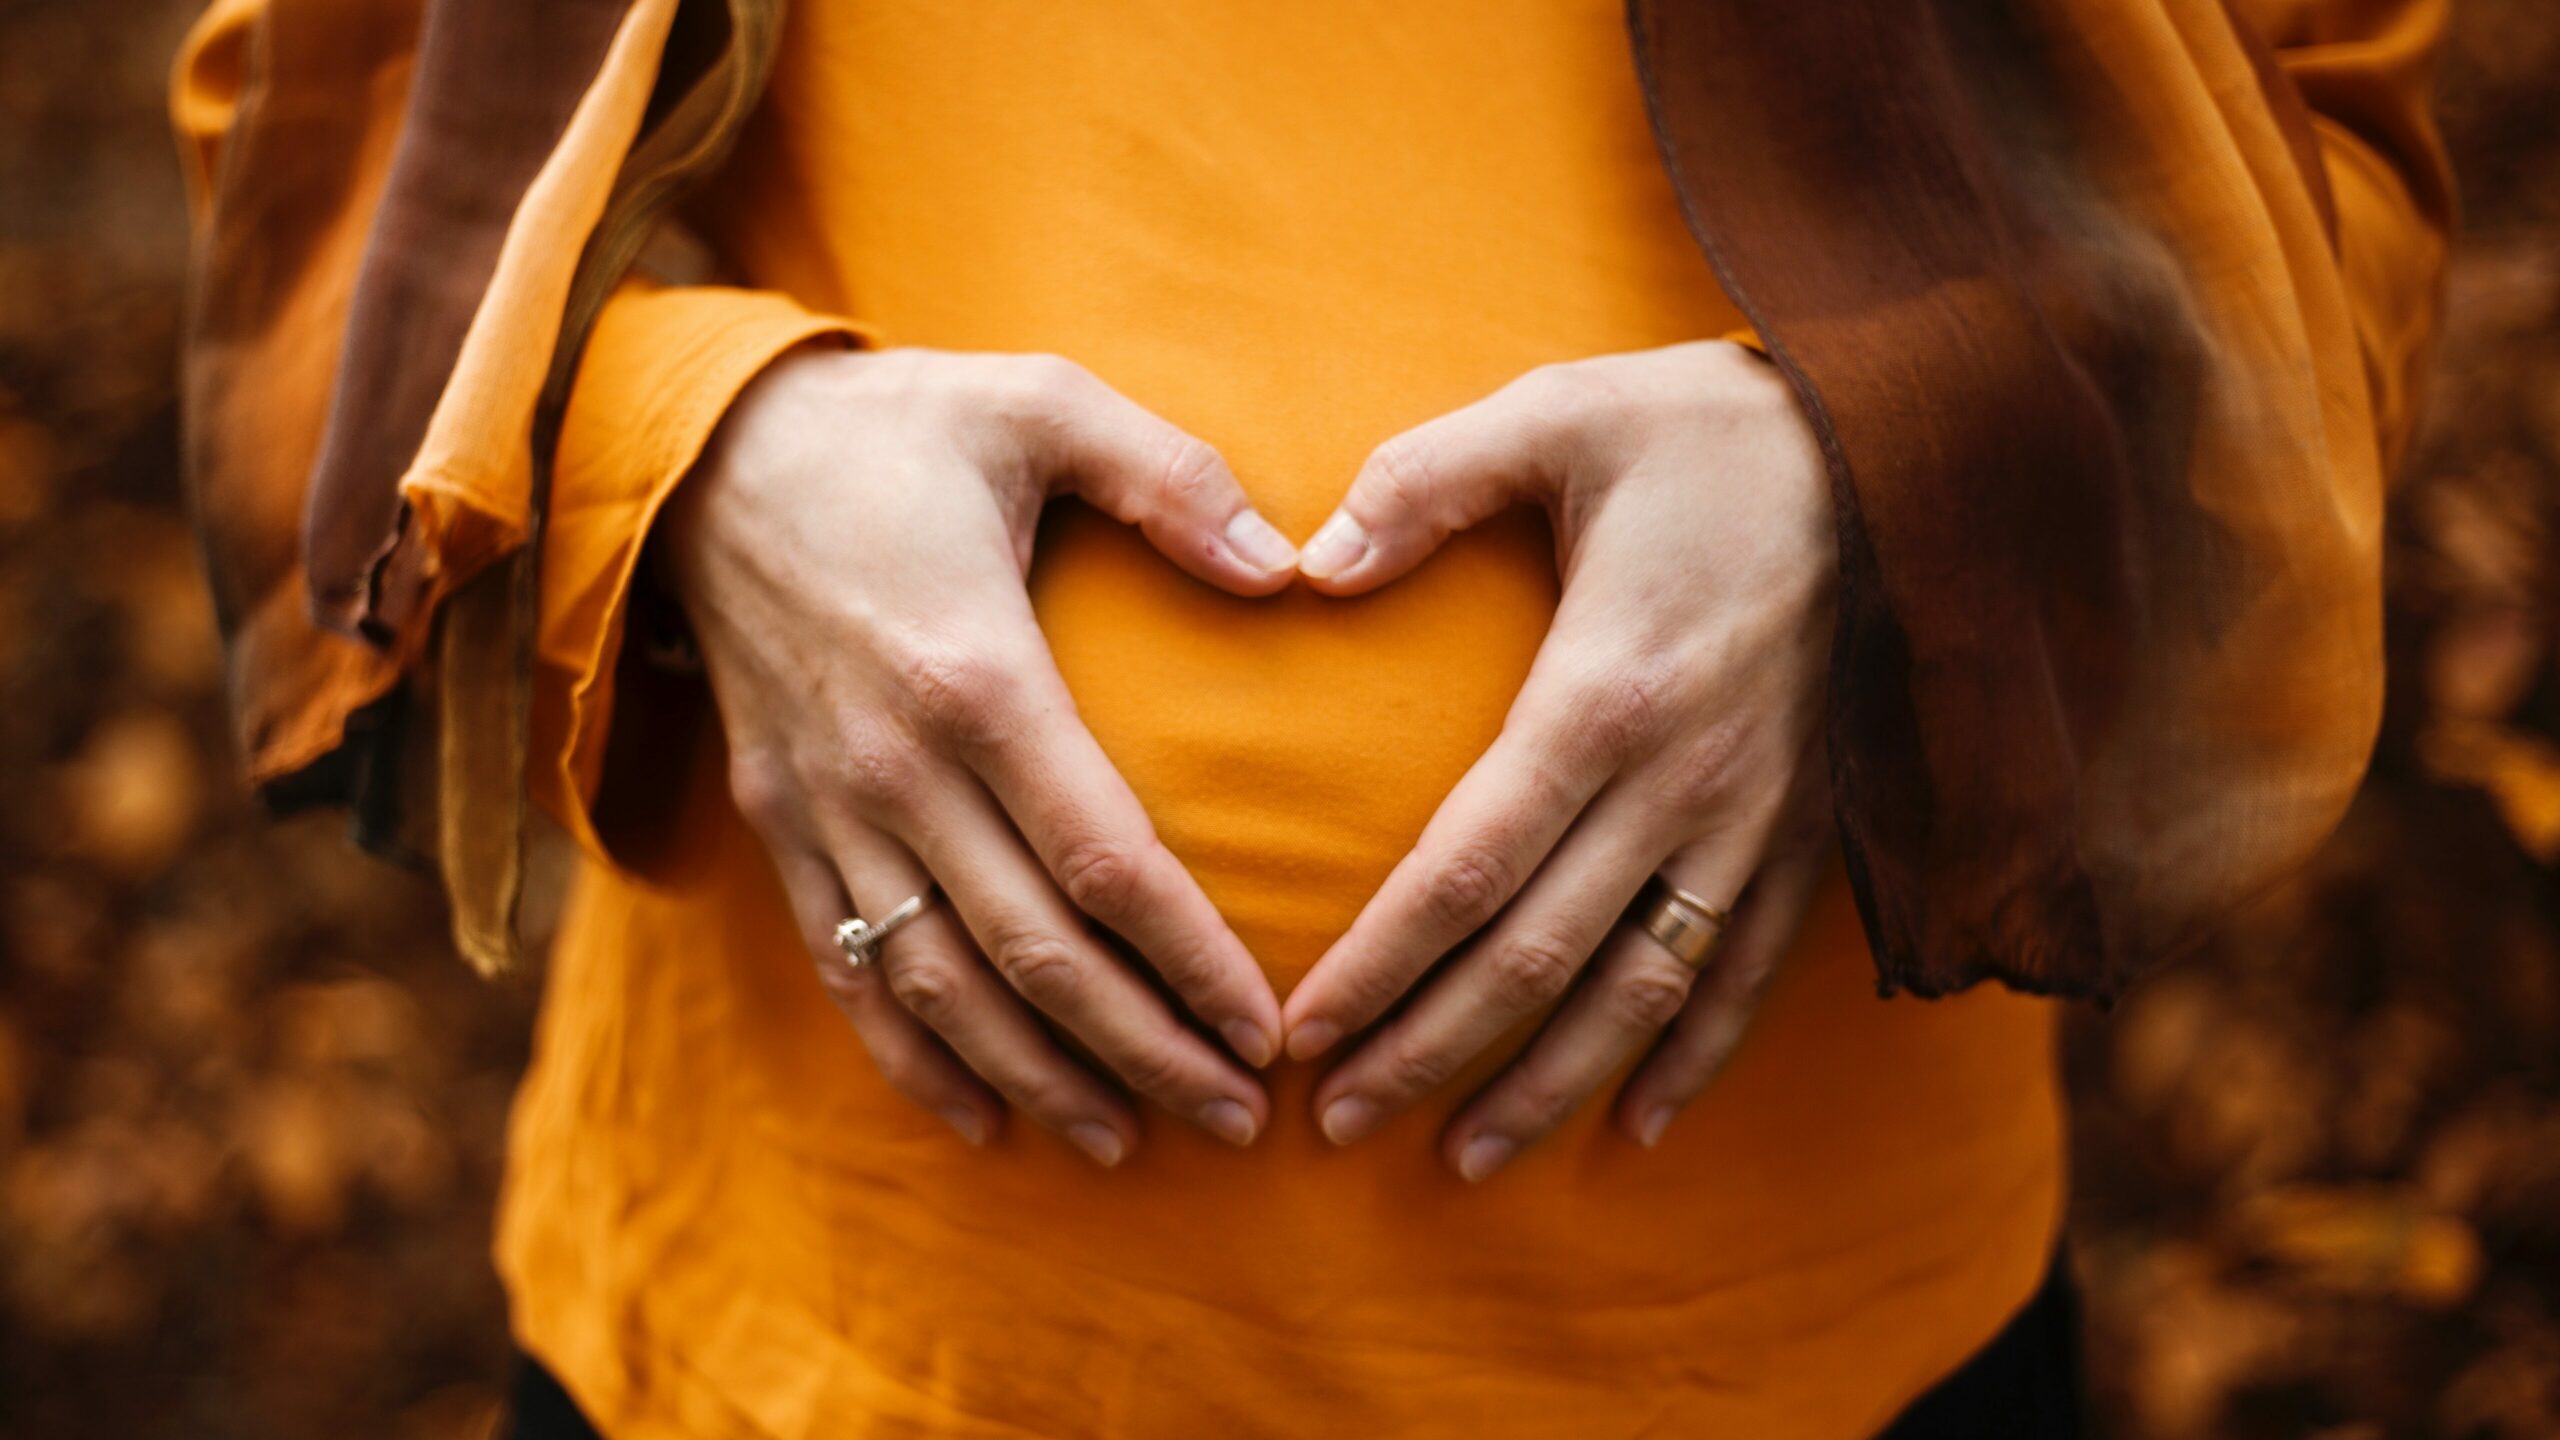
(1669,726)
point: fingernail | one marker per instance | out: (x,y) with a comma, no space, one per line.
(1349,1118)
(1229,1121)
(1312,1039)
(1656,1120)
(1482,1156)
(1251,1042)
(971,1125)
(1260,543)
(1336,548)
(1097,1140)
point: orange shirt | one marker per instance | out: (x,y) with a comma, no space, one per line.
(1294,230)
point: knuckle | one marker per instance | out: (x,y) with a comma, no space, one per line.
(1538,1104)
(1468,888)
(1366,991)
(1042,968)
(1584,394)
(928,989)
(1552,388)
(957,691)
(762,789)
(1531,971)
(1649,999)
(1413,1070)
(1400,476)
(1103,878)
(875,769)
(1187,473)
(1047,1098)
(1623,711)
(1048,379)
(1705,772)
(1690,788)
(1193,972)
(1151,1069)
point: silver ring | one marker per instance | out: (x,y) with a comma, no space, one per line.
(861,939)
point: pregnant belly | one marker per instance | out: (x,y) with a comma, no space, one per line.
(1291,749)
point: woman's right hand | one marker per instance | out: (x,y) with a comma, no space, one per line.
(851,553)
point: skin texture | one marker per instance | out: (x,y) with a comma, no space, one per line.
(894,719)
(1668,726)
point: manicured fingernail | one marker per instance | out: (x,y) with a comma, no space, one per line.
(971,1125)
(1656,1120)
(1097,1140)
(1229,1121)
(1482,1156)
(1260,543)
(1336,548)
(1251,1042)
(1349,1118)
(1312,1039)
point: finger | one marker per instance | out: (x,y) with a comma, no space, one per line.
(1520,966)
(1178,491)
(1634,989)
(1711,1026)
(1089,828)
(907,1055)
(934,974)
(1558,748)
(1039,945)
(1093,836)
(1432,481)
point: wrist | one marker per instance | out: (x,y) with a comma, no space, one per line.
(767,416)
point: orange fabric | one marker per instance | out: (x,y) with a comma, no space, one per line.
(316,112)
(1294,231)
(661,369)
(2060,286)
(261,360)
(2366,68)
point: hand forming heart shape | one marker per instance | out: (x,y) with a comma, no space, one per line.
(1666,727)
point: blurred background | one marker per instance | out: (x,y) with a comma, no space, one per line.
(250,1107)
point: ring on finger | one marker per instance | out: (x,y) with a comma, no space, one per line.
(1681,921)
(861,939)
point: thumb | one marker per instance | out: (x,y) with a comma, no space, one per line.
(1425,485)
(1177,489)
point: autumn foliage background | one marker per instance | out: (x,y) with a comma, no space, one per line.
(250,1108)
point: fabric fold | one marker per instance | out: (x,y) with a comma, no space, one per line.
(661,370)
(408,214)
(2069,319)
(2110,317)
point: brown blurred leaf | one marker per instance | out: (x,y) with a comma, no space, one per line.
(2521,772)
(297,1158)
(2367,1240)
(131,797)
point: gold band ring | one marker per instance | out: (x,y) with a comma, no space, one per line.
(1684,924)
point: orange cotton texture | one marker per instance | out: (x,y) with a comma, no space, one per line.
(1294,230)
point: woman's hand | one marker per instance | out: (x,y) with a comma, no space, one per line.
(851,553)
(1668,727)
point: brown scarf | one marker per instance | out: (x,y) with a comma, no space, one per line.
(2109,651)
